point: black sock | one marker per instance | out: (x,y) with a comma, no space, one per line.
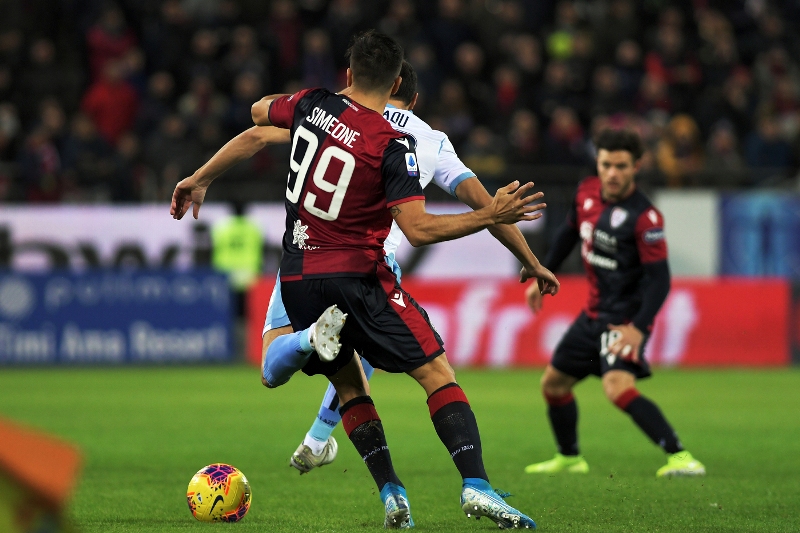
(650,419)
(563,414)
(363,426)
(457,428)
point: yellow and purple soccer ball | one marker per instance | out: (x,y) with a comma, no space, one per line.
(219,493)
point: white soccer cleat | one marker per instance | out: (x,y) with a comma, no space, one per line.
(325,334)
(304,459)
(476,503)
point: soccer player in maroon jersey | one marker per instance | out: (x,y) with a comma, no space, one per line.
(625,257)
(351,173)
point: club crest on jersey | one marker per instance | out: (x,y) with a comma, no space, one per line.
(411,164)
(618,217)
(299,236)
(587,204)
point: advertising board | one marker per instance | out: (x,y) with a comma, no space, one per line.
(485,322)
(114,317)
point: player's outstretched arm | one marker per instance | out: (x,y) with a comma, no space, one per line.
(260,110)
(421,228)
(192,190)
(472,192)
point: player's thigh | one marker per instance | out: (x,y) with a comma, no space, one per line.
(578,352)
(349,381)
(615,382)
(434,374)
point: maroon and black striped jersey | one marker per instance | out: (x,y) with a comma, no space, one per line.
(617,239)
(348,166)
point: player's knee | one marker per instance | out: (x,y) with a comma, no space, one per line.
(615,385)
(553,386)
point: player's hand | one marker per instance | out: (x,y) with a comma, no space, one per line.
(546,280)
(508,205)
(629,342)
(187,192)
(533,297)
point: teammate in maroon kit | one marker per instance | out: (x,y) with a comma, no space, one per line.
(351,173)
(625,257)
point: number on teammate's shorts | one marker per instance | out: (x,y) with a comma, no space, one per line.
(608,339)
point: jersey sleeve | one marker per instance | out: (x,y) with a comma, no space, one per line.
(649,234)
(281,111)
(450,171)
(400,172)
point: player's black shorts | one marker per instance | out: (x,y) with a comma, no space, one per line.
(582,351)
(384,324)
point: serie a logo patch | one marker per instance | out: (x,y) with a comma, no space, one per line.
(411,164)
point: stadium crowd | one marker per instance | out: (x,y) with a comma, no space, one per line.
(117,101)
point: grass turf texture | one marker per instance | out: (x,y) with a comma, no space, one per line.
(146,431)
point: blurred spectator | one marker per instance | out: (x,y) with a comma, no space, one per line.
(40,167)
(170,151)
(88,161)
(619,23)
(564,141)
(526,53)
(507,93)
(401,23)
(203,60)
(673,64)
(581,61)
(722,155)
(246,91)
(44,78)
(765,151)
(244,56)
(203,101)
(653,95)
(283,32)
(108,40)
(524,143)
(345,19)
(111,103)
(556,90)
(429,75)
(470,69)
(560,41)
(165,39)
(483,154)
(157,103)
(454,111)
(319,69)
(449,30)
(607,99)
(718,53)
(131,177)
(679,153)
(629,68)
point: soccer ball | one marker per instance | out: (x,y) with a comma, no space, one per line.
(219,493)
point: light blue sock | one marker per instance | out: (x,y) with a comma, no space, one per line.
(328,416)
(286,355)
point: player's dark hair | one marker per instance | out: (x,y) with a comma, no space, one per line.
(375,60)
(614,140)
(408,87)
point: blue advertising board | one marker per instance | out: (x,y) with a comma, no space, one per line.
(114,317)
(760,234)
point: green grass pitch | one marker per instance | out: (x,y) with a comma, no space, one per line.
(146,431)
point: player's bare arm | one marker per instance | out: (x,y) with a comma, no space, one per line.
(508,206)
(472,192)
(192,190)
(260,110)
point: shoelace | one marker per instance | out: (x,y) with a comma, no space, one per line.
(503,494)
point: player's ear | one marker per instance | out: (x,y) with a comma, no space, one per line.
(397,81)
(413,101)
(349,77)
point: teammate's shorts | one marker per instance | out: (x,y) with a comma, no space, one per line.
(583,351)
(276,312)
(384,323)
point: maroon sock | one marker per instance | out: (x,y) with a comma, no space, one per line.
(457,428)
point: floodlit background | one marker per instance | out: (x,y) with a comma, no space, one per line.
(105,105)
